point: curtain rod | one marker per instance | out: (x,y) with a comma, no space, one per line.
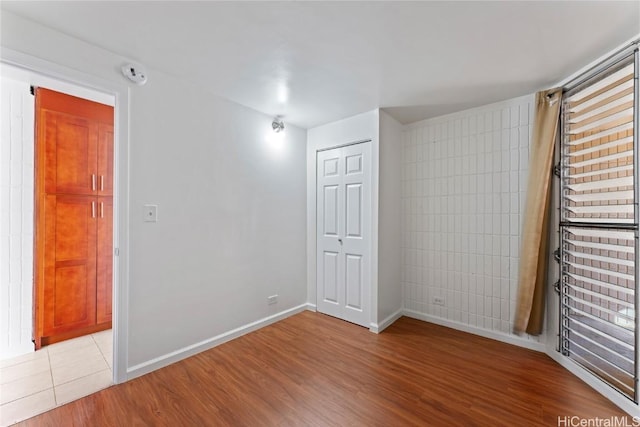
(594,67)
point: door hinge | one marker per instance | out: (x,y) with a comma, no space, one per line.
(32,90)
(116,251)
(556,255)
(556,170)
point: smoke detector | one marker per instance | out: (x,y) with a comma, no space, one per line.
(136,73)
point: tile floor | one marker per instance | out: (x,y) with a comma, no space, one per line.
(55,375)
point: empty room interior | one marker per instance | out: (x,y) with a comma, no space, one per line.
(319,213)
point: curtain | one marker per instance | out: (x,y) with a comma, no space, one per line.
(535,230)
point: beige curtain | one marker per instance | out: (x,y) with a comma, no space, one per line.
(535,230)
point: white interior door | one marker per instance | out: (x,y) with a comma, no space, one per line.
(344,232)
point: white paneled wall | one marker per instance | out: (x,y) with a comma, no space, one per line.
(463,187)
(16,210)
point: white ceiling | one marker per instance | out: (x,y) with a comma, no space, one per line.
(315,62)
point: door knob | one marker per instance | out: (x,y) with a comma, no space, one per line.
(340,240)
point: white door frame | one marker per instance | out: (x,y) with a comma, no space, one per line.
(120,92)
(372,289)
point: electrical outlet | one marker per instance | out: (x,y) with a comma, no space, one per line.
(438,300)
(273,299)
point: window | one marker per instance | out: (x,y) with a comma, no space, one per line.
(599,224)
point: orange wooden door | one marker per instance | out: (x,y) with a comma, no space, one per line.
(74,167)
(105,160)
(104,259)
(70,263)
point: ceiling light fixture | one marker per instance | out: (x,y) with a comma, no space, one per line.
(277,125)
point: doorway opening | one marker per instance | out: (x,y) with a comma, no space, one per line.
(73,217)
(35,381)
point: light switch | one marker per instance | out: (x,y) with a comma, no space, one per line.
(151,213)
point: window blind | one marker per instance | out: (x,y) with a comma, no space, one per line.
(599,226)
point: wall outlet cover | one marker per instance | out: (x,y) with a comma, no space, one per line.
(438,300)
(150,213)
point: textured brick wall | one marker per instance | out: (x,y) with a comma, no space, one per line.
(16,218)
(463,190)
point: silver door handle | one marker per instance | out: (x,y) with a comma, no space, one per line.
(93,209)
(93,182)
(101,182)
(101,209)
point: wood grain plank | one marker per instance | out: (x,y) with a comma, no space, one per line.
(314,370)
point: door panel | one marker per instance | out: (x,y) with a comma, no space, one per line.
(331,167)
(70,280)
(104,260)
(354,164)
(70,264)
(343,233)
(71,144)
(331,210)
(105,160)
(353,281)
(354,210)
(330,282)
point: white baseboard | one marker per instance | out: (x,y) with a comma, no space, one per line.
(180,354)
(311,307)
(388,321)
(595,383)
(498,336)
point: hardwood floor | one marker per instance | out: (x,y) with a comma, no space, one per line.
(312,369)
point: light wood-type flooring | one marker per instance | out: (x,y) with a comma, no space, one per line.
(314,370)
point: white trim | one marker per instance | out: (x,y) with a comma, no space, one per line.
(595,383)
(498,336)
(346,144)
(311,307)
(121,187)
(388,321)
(39,80)
(190,350)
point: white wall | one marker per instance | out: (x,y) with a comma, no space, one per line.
(231,227)
(389,221)
(353,129)
(16,217)
(463,191)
